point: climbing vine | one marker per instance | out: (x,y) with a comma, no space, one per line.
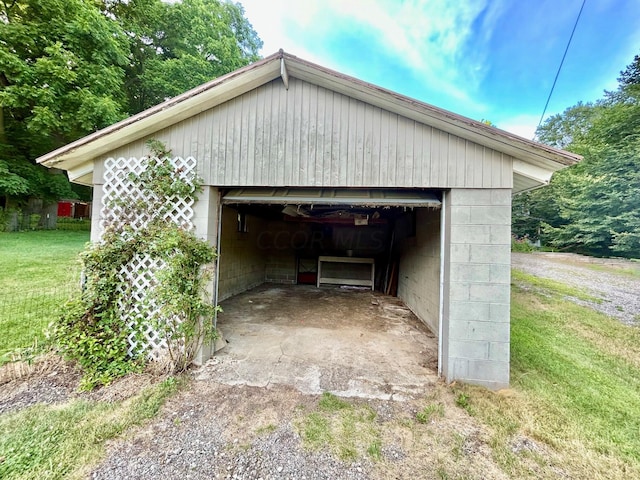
(92,330)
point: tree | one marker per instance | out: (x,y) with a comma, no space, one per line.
(568,129)
(592,207)
(61,68)
(70,67)
(178,46)
(603,211)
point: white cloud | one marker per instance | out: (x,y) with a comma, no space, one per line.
(432,38)
(523,125)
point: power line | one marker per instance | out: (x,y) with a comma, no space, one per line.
(560,67)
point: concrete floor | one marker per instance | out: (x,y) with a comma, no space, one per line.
(350,342)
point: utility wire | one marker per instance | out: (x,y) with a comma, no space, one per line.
(560,67)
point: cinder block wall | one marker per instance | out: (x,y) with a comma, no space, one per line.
(242,261)
(281,241)
(476,310)
(419,273)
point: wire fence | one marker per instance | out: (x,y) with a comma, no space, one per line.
(25,317)
(26,222)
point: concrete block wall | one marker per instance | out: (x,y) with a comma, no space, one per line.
(281,267)
(419,272)
(476,309)
(205,222)
(279,241)
(242,261)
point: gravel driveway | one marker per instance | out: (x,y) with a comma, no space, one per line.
(615,283)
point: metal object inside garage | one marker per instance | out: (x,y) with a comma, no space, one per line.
(314,177)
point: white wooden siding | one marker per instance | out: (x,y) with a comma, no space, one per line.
(312,136)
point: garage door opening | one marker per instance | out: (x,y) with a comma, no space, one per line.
(384,240)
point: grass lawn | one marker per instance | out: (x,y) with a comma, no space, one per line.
(38,271)
(575,388)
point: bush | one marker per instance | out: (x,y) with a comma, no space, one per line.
(522,245)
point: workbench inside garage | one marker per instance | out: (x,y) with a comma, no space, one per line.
(356,271)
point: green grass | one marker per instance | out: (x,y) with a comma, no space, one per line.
(38,271)
(430,412)
(55,442)
(632,271)
(575,388)
(552,286)
(347,430)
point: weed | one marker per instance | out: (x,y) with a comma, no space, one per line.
(317,430)
(266,429)
(462,400)
(429,412)
(349,431)
(457,450)
(375,450)
(331,403)
(442,473)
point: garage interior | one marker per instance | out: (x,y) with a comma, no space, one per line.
(375,242)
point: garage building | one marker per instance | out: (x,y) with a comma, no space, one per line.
(314,177)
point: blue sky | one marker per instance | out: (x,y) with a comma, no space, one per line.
(485,59)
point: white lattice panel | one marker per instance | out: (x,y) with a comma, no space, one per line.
(138,277)
(119,186)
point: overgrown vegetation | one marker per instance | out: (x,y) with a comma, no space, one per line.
(53,442)
(92,330)
(575,382)
(38,272)
(348,430)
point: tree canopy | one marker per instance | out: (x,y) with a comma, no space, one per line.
(70,67)
(592,207)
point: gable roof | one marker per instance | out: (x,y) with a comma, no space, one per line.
(533,165)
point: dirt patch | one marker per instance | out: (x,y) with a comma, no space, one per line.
(47,379)
(51,380)
(611,281)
